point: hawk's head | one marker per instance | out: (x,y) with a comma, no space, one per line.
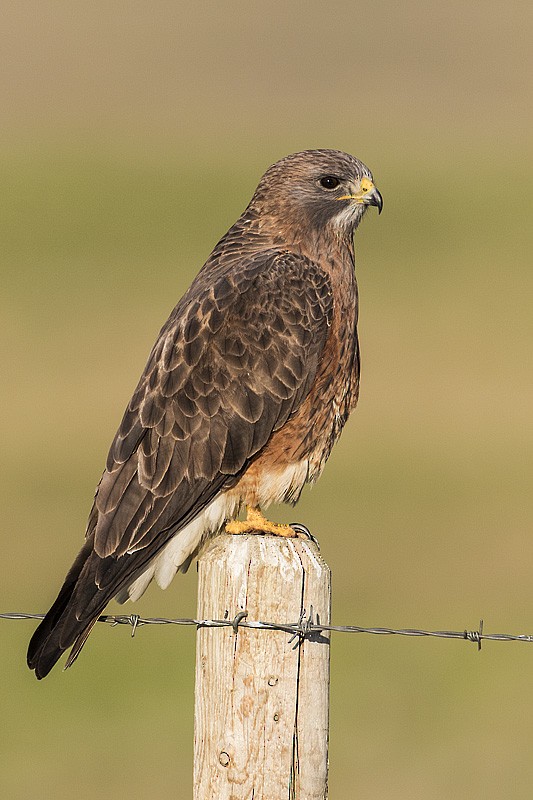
(317,188)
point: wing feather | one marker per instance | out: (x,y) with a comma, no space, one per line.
(237,356)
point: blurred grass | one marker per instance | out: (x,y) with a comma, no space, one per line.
(424,511)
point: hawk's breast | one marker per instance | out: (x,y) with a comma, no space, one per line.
(297,452)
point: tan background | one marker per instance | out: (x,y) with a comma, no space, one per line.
(132,135)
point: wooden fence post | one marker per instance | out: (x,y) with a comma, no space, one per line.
(261,702)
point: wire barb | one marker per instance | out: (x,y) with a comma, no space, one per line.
(476,636)
(135,621)
(305,626)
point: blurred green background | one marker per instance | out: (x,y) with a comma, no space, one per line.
(132,136)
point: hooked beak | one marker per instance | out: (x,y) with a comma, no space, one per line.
(374,198)
(367,195)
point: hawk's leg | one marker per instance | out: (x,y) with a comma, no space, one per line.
(255,522)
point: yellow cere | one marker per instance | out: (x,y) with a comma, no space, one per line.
(366,187)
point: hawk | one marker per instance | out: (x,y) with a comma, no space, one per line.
(245,392)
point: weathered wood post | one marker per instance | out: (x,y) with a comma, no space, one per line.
(261,702)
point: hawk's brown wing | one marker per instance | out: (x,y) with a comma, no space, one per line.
(237,356)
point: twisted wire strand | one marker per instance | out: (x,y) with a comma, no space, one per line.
(304,628)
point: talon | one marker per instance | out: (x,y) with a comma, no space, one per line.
(304,533)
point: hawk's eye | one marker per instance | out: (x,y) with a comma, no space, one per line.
(329,182)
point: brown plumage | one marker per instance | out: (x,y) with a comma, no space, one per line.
(244,394)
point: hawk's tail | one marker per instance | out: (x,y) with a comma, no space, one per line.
(60,629)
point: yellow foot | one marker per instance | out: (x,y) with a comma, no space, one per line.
(256,523)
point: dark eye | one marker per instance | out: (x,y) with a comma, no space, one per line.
(329,182)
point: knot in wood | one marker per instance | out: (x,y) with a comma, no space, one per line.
(224,758)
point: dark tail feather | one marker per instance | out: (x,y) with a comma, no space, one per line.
(80,641)
(60,628)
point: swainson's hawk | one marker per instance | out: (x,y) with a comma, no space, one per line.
(245,392)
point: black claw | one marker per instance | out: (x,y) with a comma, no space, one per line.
(303,532)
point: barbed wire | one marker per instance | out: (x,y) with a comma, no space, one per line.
(307,626)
